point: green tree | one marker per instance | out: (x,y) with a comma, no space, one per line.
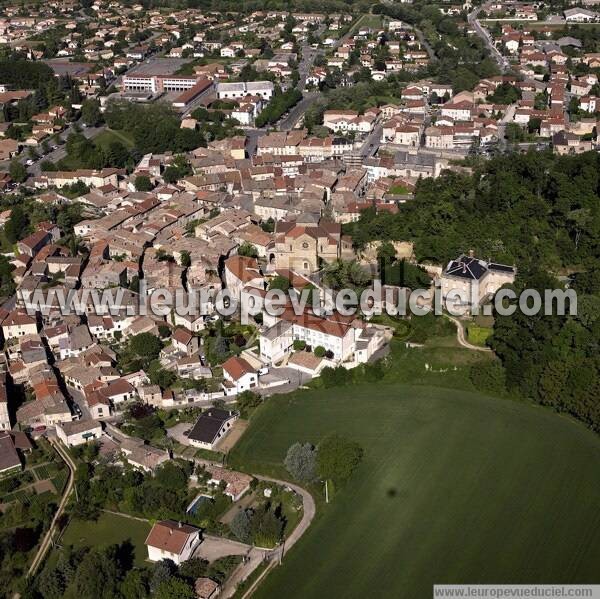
(247,249)
(241,526)
(15,227)
(337,458)
(145,345)
(280,282)
(301,462)
(90,112)
(143,183)
(247,401)
(17,171)
(175,588)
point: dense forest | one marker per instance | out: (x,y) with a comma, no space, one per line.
(538,211)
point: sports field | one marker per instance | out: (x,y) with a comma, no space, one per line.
(454,488)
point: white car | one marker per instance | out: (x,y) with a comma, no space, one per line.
(29,162)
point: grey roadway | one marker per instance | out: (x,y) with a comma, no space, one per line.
(483,33)
(255,556)
(60,152)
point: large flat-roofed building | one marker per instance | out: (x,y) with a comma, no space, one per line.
(162,83)
(202,88)
(233,91)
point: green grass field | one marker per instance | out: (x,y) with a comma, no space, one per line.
(108,529)
(455,487)
(109,135)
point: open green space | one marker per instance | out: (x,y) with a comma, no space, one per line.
(109,529)
(106,137)
(478,335)
(455,487)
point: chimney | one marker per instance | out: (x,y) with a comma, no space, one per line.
(179,524)
(471,253)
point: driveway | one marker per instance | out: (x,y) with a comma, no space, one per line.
(213,548)
(176,432)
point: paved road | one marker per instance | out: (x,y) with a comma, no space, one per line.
(288,122)
(483,33)
(372,142)
(46,542)
(256,556)
(60,152)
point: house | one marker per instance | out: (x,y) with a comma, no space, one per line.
(242,272)
(172,540)
(275,342)
(467,281)
(580,15)
(144,457)
(17,324)
(78,341)
(236,483)
(210,427)
(10,461)
(239,376)
(151,395)
(117,391)
(33,243)
(78,432)
(184,342)
(4,413)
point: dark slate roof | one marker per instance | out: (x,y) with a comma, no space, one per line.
(9,458)
(466,267)
(501,267)
(209,424)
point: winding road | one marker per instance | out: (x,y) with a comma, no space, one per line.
(460,336)
(256,556)
(47,541)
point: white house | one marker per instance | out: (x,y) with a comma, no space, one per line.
(210,427)
(239,376)
(78,432)
(459,111)
(17,324)
(580,15)
(172,540)
(276,341)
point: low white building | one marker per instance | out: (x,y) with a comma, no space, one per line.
(211,427)
(276,341)
(172,540)
(235,91)
(78,432)
(239,376)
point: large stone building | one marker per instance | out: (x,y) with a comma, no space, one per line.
(476,280)
(302,247)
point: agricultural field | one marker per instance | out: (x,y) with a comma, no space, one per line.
(455,487)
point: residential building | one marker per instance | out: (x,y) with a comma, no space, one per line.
(172,540)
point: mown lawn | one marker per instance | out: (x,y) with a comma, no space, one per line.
(455,487)
(107,530)
(107,136)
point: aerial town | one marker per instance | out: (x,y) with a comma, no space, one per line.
(175,148)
